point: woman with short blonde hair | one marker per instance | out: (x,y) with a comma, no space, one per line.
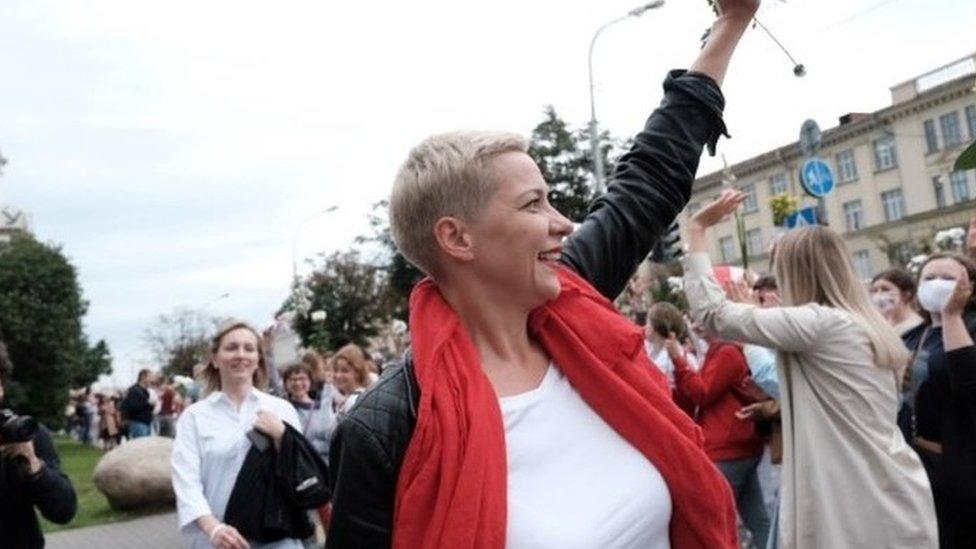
(527,413)
(849,479)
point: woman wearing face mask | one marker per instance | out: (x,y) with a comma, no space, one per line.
(943,427)
(893,293)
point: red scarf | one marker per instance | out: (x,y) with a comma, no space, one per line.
(452,490)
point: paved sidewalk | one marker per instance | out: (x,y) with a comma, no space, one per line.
(152,532)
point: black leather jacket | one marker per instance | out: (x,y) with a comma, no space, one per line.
(651,185)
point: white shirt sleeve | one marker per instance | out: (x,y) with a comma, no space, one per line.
(792,329)
(191,503)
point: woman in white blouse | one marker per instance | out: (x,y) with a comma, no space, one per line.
(211,437)
(849,479)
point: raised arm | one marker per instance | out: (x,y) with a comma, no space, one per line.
(793,329)
(957,340)
(652,182)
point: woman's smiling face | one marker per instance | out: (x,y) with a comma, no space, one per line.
(517,238)
(237,356)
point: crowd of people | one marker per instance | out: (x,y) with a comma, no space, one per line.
(804,407)
(149,407)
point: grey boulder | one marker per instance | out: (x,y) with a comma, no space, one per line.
(137,474)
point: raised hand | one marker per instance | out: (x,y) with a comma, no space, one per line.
(720,208)
(736,8)
(960,296)
(740,292)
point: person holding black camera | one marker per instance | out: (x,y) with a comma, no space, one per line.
(30,476)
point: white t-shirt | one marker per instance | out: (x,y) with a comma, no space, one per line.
(573,482)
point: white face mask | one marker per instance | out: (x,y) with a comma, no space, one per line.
(883,301)
(934,294)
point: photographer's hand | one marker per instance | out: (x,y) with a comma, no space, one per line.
(25,449)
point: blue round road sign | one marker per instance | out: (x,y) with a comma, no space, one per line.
(817,178)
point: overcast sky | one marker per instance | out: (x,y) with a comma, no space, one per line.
(171,148)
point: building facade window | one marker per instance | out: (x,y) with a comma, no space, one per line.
(885,156)
(903,253)
(727,248)
(960,186)
(931,138)
(939,188)
(971,120)
(778,184)
(862,264)
(754,242)
(751,203)
(853,215)
(846,166)
(894,205)
(951,134)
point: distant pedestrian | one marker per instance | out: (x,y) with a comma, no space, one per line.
(168,408)
(893,293)
(137,408)
(318,418)
(110,422)
(351,376)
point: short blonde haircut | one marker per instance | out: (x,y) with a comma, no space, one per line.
(446,175)
(814,266)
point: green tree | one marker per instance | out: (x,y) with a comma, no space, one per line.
(352,293)
(95,361)
(565,159)
(41,309)
(400,274)
(180,339)
(564,166)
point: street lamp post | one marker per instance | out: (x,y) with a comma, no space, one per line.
(294,239)
(594,127)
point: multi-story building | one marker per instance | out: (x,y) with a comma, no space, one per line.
(893,170)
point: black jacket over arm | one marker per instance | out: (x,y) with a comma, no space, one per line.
(651,186)
(48,490)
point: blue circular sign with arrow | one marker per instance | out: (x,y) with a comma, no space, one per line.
(817,178)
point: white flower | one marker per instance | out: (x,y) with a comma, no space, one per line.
(398,327)
(950,239)
(182,381)
(676,283)
(915,263)
(318,316)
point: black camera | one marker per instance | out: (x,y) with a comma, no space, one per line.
(14,428)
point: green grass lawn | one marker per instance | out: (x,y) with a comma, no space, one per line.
(78,462)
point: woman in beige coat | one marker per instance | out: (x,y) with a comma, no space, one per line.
(849,479)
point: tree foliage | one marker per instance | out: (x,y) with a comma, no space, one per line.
(95,361)
(41,310)
(179,340)
(565,158)
(352,293)
(564,165)
(399,274)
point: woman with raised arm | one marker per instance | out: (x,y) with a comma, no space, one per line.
(849,478)
(527,413)
(942,397)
